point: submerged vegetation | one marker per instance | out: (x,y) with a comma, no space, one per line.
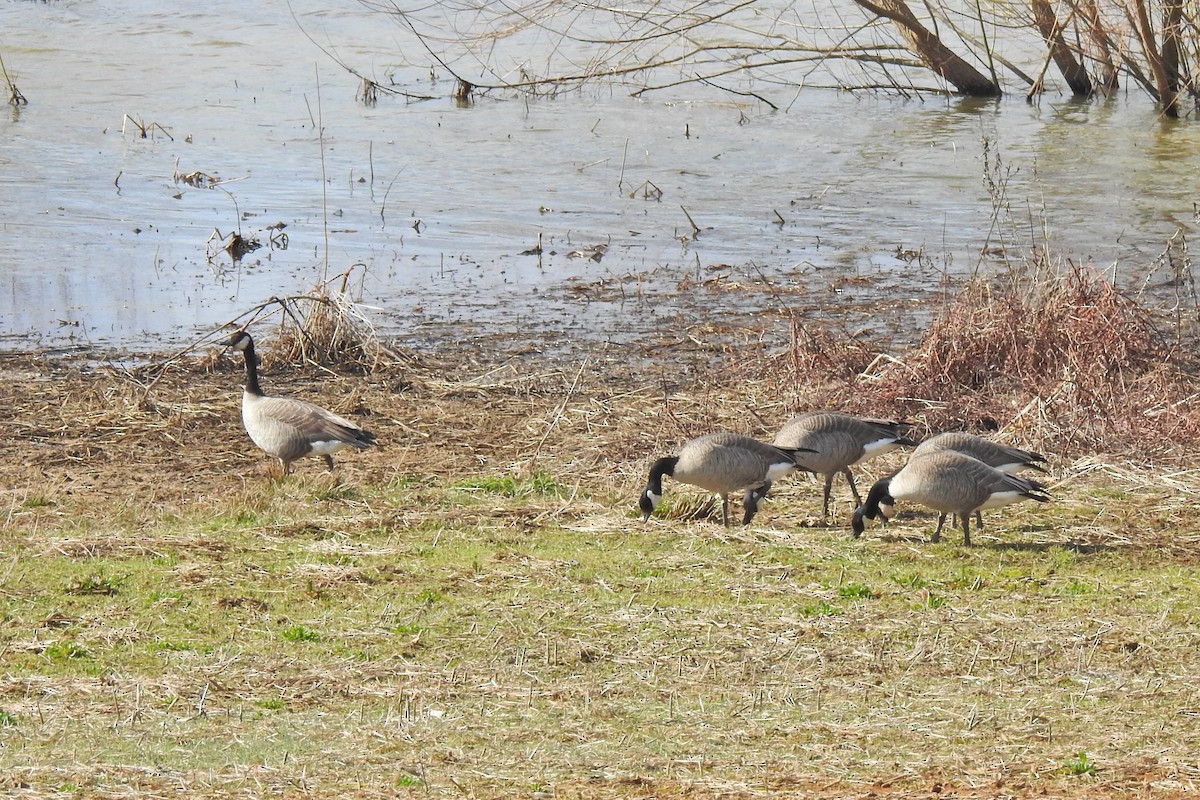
(15,98)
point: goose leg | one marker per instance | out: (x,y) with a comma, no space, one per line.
(725,509)
(328,461)
(828,488)
(853,488)
(937,532)
(978,521)
(966,522)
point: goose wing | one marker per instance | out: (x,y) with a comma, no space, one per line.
(313,422)
(988,487)
(1001,456)
(1012,488)
(726,462)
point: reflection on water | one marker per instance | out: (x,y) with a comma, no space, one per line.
(103,245)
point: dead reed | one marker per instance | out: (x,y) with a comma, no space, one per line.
(15,98)
(324,328)
(1064,356)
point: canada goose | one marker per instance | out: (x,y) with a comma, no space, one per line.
(722,463)
(288,428)
(1001,456)
(949,482)
(841,440)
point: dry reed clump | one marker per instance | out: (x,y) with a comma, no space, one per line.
(1068,359)
(819,363)
(1080,330)
(325,328)
(322,330)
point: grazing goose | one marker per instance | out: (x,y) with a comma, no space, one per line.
(288,428)
(841,440)
(949,483)
(722,463)
(1001,456)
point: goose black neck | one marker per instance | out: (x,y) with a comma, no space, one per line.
(251,370)
(870,508)
(879,492)
(664,466)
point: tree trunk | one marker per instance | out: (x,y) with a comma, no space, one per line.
(1100,40)
(1168,98)
(929,48)
(1074,73)
(1171,35)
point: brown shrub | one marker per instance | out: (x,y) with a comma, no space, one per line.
(1069,360)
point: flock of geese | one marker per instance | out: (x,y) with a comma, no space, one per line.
(951,473)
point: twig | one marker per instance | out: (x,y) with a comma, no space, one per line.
(324,186)
(621,176)
(755,95)
(692,222)
(15,98)
(557,414)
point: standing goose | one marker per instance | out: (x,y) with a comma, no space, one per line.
(994,454)
(949,483)
(287,428)
(723,463)
(840,441)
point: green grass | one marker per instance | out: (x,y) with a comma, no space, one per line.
(299,633)
(819,609)
(93,584)
(856,591)
(1080,764)
(537,484)
(251,642)
(66,651)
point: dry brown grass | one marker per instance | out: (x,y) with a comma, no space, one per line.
(574,652)
(1069,360)
(552,645)
(323,330)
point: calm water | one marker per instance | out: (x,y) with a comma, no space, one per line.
(103,246)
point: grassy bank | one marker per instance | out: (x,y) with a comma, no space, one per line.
(475,609)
